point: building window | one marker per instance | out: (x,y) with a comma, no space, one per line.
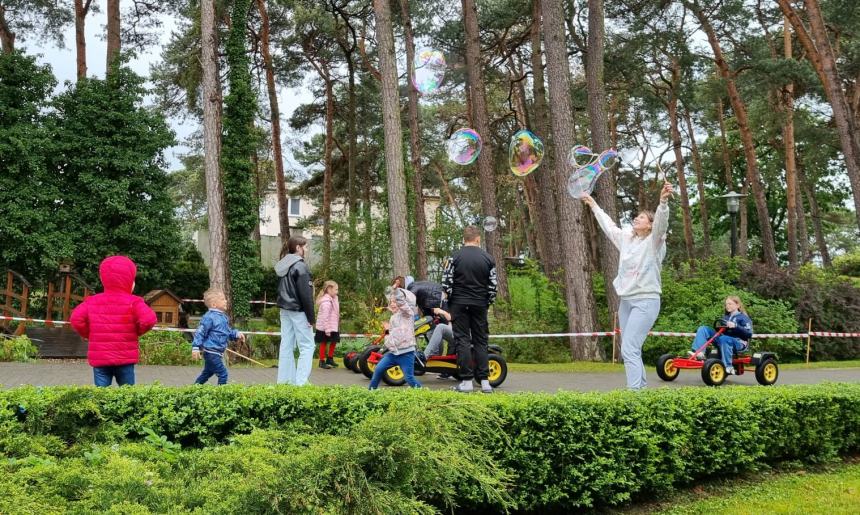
(295,207)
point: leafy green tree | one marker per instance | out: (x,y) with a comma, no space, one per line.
(32,238)
(106,151)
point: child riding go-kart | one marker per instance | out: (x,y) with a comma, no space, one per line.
(365,361)
(708,358)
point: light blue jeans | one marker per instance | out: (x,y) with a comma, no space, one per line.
(636,317)
(295,330)
(728,344)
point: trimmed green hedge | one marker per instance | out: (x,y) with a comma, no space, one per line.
(408,450)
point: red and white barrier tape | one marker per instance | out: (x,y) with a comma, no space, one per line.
(251,301)
(824,334)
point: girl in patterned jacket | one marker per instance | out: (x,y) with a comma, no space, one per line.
(400,340)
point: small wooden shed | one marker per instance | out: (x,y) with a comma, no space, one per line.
(166,305)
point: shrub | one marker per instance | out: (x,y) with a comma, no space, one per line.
(258,449)
(832,303)
(17,348)
(165,348)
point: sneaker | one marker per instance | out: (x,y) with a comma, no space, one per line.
(730,371)
(323,364)
(485,387)
(330,362)
(691,354)
(459,389)
(700,356)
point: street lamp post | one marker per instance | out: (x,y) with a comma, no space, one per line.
(733,205)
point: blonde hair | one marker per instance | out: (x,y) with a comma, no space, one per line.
(211,295)
(324,290)
(737,300)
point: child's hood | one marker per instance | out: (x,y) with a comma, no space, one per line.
(117,274)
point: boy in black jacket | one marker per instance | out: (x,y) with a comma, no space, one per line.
(470,281)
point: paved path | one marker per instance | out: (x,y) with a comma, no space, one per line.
(79,373)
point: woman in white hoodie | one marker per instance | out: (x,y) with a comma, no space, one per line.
(638,285)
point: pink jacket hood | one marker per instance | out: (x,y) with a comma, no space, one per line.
(117,274)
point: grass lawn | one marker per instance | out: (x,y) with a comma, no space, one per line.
(832,490)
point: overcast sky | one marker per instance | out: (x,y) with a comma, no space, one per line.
(64,64)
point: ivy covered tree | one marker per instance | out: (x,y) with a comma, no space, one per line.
(241,202)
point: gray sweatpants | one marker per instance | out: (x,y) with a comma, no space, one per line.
(636,317)
(434,346)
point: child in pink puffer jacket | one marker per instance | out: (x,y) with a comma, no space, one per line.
(328,321)
(112,321)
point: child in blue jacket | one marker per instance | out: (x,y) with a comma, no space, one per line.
(735,338)
(212,336)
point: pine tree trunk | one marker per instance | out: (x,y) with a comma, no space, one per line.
(700,185)
(841,114)
(528,187)
(790,168)
(743,230)
(802,227)
(724,144)
(481,123)
(415,150)
(218,274)
(393,139)
(815,215)
(81,10)
(606,187)
(581,312)
(113,32)
(547,201)
(277,151)
(7,37)
(327,173)
(753,176)
(675,132)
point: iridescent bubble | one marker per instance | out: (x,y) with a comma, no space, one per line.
(608,158)
(525,153)
(490,223)
(429,70)
(581,156)
(582,180)
(464,146)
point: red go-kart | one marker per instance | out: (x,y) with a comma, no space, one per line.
(713,370)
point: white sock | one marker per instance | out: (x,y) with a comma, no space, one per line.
(485,384)
(466,384)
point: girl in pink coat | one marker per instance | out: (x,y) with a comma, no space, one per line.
(112,321)
(328,322)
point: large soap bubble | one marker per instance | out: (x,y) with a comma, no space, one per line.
(525,153)
(464,146)
(429,70)
(581,181)
(490,223)
(581,156)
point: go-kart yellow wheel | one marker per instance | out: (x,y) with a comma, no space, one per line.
(394,376)
(767,372)
(713,372)
(498,370)
(666,368)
